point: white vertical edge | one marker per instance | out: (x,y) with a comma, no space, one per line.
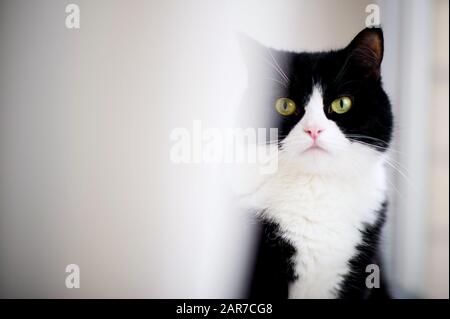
(389,15)
(414,68)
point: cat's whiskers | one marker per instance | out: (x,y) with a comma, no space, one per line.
(387,149)
(277,81)
(278,68)
(395,165)
(286,80)
(391,183)
(397,169)
(368,137)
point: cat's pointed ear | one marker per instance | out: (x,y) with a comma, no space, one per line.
(366,51)
(250,48)
(263,62)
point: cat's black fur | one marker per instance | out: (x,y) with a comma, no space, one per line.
(368,252)
(353,71)
(274,265)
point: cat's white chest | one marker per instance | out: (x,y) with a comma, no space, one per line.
(322,218)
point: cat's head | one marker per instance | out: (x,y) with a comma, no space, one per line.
(330,108)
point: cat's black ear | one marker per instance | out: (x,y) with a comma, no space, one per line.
(366,51)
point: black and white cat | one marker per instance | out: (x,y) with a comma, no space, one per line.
(322,211)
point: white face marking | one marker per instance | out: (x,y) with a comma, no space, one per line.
(314,111)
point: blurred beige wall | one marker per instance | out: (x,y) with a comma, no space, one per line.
(438,209)
(85,173)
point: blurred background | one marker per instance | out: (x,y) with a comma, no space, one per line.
(85,120)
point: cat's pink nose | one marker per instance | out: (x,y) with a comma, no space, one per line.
(314,132)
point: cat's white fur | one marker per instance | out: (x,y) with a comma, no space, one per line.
(322,200)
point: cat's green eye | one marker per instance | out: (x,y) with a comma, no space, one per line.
(341,105)
(285,106)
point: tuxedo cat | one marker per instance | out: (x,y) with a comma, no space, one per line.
(321,213)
